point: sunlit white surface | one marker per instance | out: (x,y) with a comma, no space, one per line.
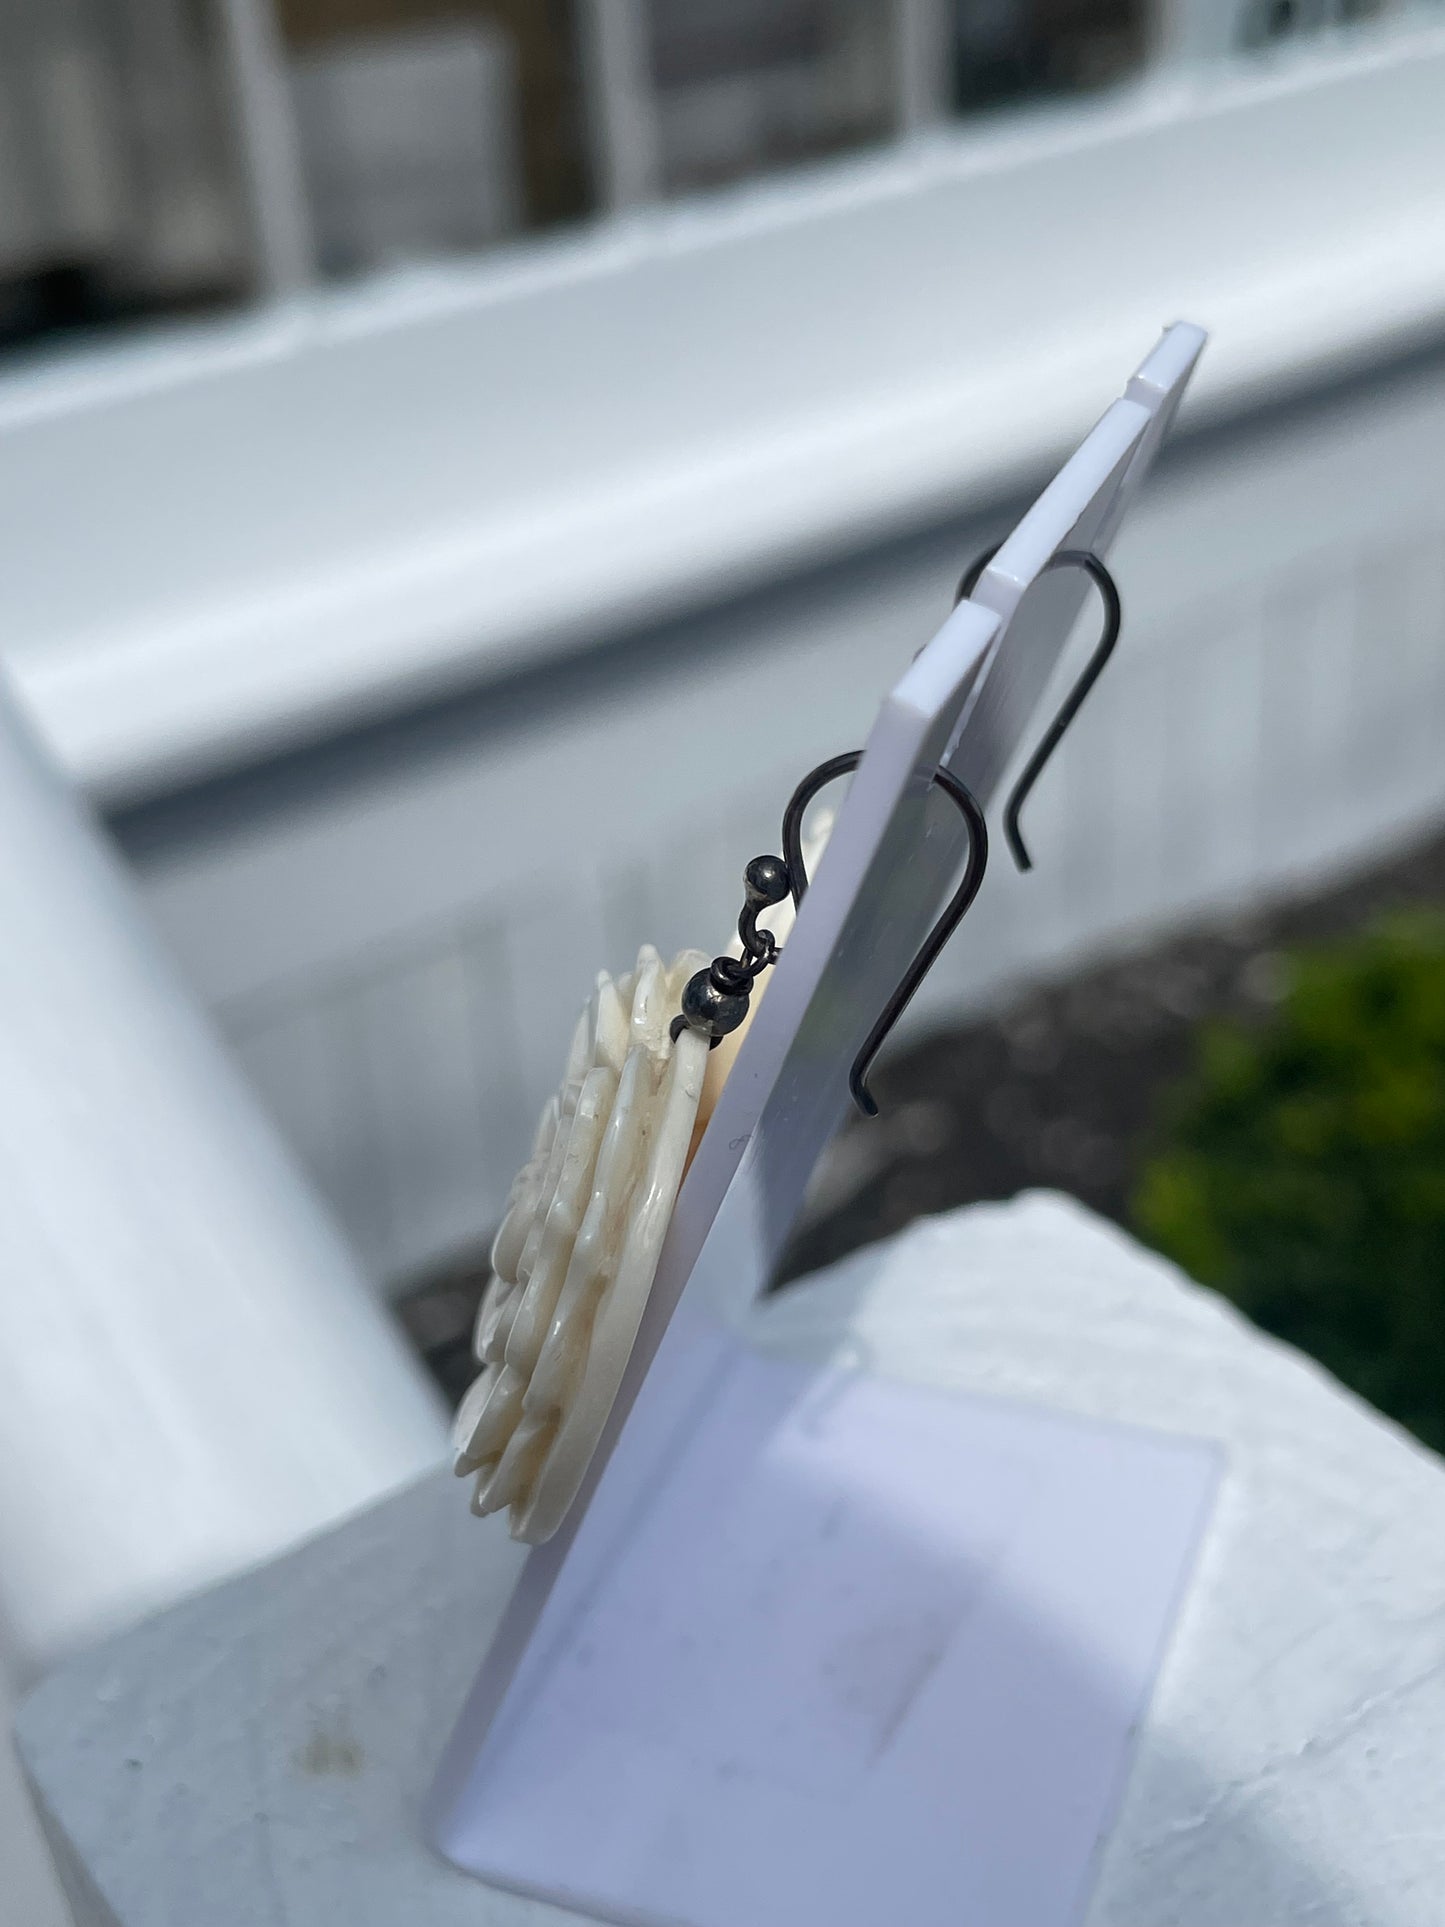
(193,1371)
(1286,1770)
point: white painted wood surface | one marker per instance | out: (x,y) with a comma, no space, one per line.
(1271,718)
(255,1756)
(192,1370)
(30,1894)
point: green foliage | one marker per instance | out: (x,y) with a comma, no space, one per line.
(1304,1168)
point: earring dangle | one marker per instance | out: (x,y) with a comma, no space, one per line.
(575,1257)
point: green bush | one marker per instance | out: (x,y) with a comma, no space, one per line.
(1303,1173)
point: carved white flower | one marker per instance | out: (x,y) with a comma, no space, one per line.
(574,1260)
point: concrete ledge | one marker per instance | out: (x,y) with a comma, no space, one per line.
(257,1755)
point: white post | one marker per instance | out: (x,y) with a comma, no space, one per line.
(270,149)
(193,1374)
(620,103)
(923,66)
(1187,33)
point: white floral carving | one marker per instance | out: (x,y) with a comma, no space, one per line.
(575,1258)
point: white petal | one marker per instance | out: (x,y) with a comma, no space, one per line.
(576,1254)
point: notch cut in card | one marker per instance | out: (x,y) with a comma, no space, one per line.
(869,1656)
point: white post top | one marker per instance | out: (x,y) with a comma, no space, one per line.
(257,1755)
(193,1371)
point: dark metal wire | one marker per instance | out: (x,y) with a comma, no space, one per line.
(715,1000)
(953,914)
(1108,589)
(1073,702)
(815,781)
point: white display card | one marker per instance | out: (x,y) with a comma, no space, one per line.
(871,1657)
(511,1788)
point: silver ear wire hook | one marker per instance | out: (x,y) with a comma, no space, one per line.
(715,1000)
(1108,589)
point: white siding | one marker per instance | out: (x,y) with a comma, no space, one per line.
(399,951)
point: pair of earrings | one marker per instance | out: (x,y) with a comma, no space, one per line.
(575,1258)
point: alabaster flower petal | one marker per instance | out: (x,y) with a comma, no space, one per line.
(610,1042)
(581,1055)
(599,1242)
(464,1425)
(652,1008)
(613,1326)
(494,1320)
(581,1237)
(512,1475)
(562,1220)
(522,1199)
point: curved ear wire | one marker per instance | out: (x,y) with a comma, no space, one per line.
(1073,702)
(973,574)
(1108,589)
(948,922)
(816,780)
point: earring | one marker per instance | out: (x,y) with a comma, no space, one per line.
(574,1260)
(577,1252)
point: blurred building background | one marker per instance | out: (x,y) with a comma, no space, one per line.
(164,155)
(167,155)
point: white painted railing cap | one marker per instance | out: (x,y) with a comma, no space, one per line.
(257,1755)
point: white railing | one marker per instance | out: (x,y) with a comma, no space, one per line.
(397,956)
(256,533)
(193,1374)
